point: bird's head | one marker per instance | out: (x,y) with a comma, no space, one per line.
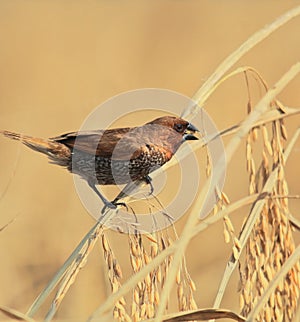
(173,131)
(179,125)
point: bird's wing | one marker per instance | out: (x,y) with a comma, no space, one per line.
(120,143)
(106,144)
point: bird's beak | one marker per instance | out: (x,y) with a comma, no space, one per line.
(189,133)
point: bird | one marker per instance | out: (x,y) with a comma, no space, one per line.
(114,156)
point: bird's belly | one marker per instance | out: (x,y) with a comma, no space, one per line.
(105,171)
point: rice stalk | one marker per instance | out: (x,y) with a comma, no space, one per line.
(271,242)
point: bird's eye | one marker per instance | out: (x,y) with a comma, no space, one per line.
(179,127)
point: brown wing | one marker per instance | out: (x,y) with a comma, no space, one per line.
(123,143)
(107,144)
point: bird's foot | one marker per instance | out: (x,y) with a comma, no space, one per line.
(112,205)
(148,180)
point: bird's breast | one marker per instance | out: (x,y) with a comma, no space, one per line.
(108,171)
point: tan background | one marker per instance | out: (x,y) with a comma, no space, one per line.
(61,59)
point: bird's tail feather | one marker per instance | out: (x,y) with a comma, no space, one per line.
(57,152)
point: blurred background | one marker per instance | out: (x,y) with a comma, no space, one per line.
(61,59)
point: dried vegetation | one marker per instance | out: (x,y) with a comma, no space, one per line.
(269,268)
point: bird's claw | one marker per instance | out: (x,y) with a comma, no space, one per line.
(148,180)
(112,205)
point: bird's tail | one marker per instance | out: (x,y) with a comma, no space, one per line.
(57,152)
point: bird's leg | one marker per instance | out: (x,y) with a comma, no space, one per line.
(107,203)
(148,180)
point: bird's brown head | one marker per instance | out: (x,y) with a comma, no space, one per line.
(179,125)
(173,131)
